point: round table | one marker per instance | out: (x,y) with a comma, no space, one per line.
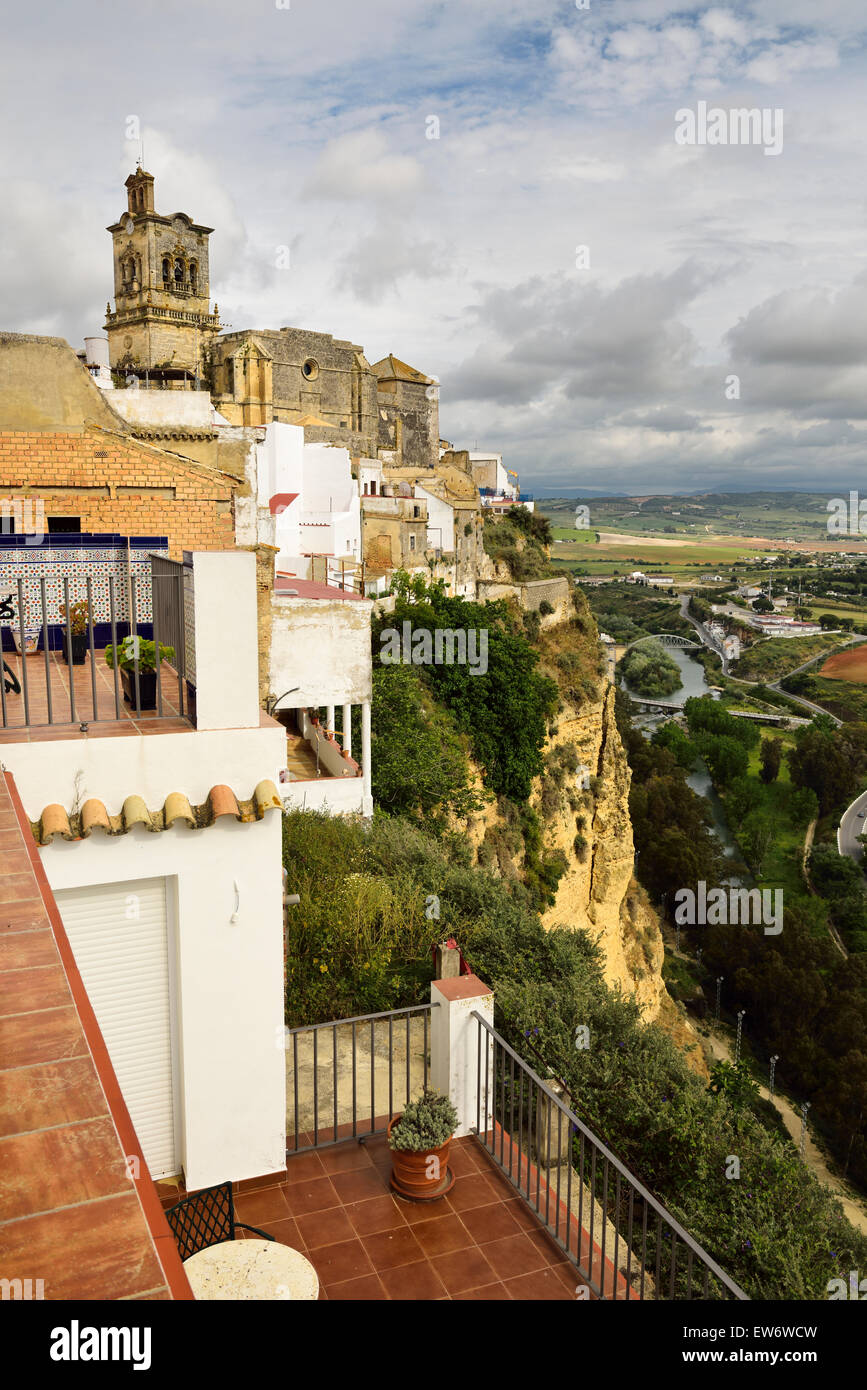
(258,1269)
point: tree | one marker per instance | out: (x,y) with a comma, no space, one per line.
(762,604)
(827,621)
(420,766)
(733,1082)
(771,757)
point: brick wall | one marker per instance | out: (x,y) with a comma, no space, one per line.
(118,485)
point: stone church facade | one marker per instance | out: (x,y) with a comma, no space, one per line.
(163,333)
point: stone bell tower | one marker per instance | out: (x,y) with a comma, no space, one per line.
(162,326)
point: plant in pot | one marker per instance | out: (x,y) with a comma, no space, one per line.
(419,1140)
(124,657)
(75,621)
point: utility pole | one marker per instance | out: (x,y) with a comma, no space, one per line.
(804,1108)
(738,1040)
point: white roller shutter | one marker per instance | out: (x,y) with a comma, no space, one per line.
(119,933)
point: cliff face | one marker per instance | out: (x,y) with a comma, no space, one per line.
(598,891)
(584,814)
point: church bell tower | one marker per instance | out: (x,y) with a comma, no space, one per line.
(162,326)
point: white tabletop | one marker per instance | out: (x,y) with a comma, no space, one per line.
(259,1269)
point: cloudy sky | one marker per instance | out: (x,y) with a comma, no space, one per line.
(584,286)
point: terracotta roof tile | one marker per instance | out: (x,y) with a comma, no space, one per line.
(94,814)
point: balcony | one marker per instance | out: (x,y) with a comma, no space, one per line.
(42,695)
(540,1209)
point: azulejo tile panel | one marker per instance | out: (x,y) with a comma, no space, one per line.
(66,568)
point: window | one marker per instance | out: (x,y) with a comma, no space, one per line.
(373,488)
(412,542)
(167,270)
(194,273)
(179,272)
(310,369)
(65,524)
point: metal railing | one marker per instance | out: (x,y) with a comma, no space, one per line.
(344,1078)
(624,1243)
(35,691)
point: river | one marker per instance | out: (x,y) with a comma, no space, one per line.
(695,684)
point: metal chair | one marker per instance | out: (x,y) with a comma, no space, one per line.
(206,1218)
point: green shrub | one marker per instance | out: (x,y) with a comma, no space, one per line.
(424,1124)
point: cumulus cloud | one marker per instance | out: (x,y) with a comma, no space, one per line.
(361,166)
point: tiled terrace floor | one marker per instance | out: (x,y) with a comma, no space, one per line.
(335,1206)
(63,725)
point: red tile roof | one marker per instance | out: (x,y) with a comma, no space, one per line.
(70,1213)
(309,588)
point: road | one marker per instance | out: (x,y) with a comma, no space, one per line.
(852,824)
(770,685)
(813,1157)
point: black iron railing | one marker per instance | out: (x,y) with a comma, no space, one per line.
(347,1078)
(624,1243)
(35,690)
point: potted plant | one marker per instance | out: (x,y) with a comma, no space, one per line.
(75,620)
(419,1140)
(124,657)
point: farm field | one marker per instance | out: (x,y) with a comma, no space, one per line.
(681,535)
(849,666)
(776,657)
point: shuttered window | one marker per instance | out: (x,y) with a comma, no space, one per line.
(120,938)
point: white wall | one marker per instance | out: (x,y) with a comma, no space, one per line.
(230,979)
(440,520)
(150,766)
(339,796)
(323,647)
(191,408)
(226,640)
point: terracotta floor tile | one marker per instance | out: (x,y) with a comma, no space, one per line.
(549,1250)
(471,1191)
(83,1258)
(287,1233)
(489,1294)
(325,1228)
(344,1158)
(442,1237)
(52,1094)
(48,1036)
(415,1212)
(490,1222)
(22,917)
(303,1167)
(523,1215)
(541,1284)
(463,1269)
(387,1249)
(316,1195)
(17,888)
(365,1289)
(24,950)
(59,1167)
(359,1184)
(462,1162)
(258,1208)
(413,1282)
(336,1263)
(35,987)
(375,1214)
(512,1256)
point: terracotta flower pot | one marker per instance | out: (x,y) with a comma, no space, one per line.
(415,1177)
